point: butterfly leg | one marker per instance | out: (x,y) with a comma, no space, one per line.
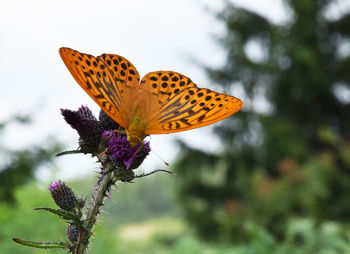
(120,131)
(102,154)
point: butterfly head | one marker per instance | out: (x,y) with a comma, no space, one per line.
(134,140)
(135,135)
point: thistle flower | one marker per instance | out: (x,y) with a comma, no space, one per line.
(123,154)
(87,126)
(63,196)
(108,123)
(97,135)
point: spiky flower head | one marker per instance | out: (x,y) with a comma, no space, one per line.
(108,123)
(87,126)
(63,196)
(123,154)
(98,136)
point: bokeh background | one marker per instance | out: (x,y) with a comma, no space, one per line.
(274,178)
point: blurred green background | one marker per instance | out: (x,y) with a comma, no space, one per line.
(280,182)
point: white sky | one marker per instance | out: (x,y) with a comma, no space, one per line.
(152,34)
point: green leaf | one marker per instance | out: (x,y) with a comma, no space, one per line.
(41,245)
(63,214)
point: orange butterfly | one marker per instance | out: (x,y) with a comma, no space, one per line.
(163,102)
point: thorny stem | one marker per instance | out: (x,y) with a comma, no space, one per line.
(93,209)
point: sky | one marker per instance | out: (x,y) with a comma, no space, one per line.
(153,35)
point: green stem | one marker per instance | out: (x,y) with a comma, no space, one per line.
(93,209)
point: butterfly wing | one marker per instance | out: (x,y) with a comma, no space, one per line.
(180,105)
(106,79)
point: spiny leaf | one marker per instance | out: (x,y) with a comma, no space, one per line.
(41,245)
(63,214)
(154,171)
(69,152)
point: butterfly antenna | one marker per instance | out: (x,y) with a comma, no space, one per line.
(166,163)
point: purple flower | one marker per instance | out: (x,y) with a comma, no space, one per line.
(87,126)
(85,112)
(125,154)
(63,196)
(107,134)
(97,135)
(54,186)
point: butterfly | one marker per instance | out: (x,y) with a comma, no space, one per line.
(161,102)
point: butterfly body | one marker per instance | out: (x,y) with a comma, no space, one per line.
(161,102)
(136,128)
(139,106)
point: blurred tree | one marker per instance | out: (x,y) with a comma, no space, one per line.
(288,156)
(18,166)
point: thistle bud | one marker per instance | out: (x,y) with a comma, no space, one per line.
(108,123)
(63,196)
(72,232)
(87,126)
